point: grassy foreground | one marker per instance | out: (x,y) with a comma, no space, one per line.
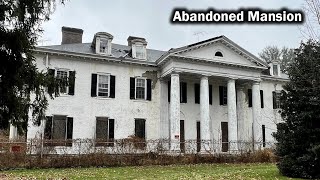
(199,171)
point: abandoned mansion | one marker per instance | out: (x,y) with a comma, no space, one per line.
(209,91)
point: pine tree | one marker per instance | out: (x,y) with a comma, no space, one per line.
(22,86)
(298,136)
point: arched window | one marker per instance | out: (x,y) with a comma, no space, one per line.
(219,54)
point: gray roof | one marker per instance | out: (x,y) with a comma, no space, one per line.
(117,50)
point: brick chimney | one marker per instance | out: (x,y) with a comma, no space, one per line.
(71,35)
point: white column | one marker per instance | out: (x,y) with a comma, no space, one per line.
(232,116)
(164,110)
(242,134)
(256,108)
(13,135)
(204,112)
(175,112)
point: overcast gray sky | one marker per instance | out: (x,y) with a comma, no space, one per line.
(151,19)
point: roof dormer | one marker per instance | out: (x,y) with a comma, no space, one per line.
(102,43)
(275,68)
(138,47)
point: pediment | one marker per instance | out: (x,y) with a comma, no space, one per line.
(231,52)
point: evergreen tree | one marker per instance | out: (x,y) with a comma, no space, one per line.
(21,84)
(298,136)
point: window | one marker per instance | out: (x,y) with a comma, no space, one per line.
(263,135)
(197,93)
(223,95)
(62,74)
(104,131)
(140,88)
(140,52)
(276,99)
(218,54)
(275,70)
(183,92)
(59,128)
(250,98)
(103,46)
(103,85)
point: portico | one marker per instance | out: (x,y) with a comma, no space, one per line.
(227,73)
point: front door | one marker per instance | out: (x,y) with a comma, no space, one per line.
(182,138)
(225,141)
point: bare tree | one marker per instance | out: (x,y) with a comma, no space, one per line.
(311,28)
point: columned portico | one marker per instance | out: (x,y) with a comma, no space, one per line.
(256,108)
(204,110)
(232,115)
(175,111)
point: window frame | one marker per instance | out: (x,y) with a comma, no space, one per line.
(66,142)
(97,85)
(143,51)
(278,101)
(145,88)
(224,96)
(55,75)
(275,70)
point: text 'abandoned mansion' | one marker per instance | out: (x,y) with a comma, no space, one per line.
(210,91)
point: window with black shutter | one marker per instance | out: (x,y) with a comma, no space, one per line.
(103,85)
(250,97)
(59,129)
(140,88)
(223,95)
(197,93)
(183,92)
(276,99)
(62,75)
(261,99)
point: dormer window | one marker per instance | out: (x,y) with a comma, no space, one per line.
(102,43)
(138,47)
(275,69)
(103,46)
(218,54)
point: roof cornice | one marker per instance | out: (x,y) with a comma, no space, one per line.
(212,61)
(273,78)
(93,57)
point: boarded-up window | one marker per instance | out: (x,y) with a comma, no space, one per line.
(60,129)
(104,131)
(140,128)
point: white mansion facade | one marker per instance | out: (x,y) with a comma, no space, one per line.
(212,90)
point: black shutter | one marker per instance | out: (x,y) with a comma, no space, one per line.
(149,92)
(183,91)
(263,135)
(112,86)
(261,98)
(210,94)
(111,129)
(169,90)
(93,85)
(197,93)
(48,128)
(132,87)
(69,127)
(221,95)
(72,77)
(274,98)
(250,97)
(51,83)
